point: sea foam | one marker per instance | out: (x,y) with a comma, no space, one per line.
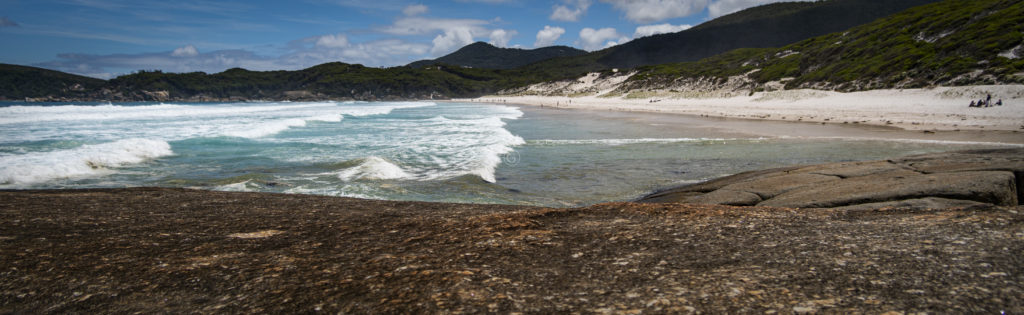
(84,161)
(373,168)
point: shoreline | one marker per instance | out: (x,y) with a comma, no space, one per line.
(931,110)
(150,249)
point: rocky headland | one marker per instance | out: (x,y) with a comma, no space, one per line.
(936,233)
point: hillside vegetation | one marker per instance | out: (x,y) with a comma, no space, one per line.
(327,81)
(18,82)
(484,55)
(771,25)
(954,42)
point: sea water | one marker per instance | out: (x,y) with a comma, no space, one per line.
(429,151)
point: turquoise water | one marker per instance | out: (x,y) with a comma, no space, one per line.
(431,151)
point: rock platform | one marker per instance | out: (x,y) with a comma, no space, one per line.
(941,180)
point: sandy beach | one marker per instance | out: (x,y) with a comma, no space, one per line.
(934,109)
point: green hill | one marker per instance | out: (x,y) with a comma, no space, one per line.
(330,80)
(771,25)
(954,42)
(484,55)
(19,82)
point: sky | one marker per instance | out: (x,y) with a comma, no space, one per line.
(107,38)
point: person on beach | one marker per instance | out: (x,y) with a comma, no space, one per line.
(972,104)
(999,102)
(988,99)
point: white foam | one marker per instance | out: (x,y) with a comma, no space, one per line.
(373,168)
(267,128)
(23,114)
(84,161)
(173,122)
(241,186)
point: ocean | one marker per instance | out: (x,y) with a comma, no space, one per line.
(427,151)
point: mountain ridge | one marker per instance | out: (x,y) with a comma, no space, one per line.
(484,55)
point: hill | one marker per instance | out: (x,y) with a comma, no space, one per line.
(954,42)
(19,82)
(484,55)
(771,25)
(334,80)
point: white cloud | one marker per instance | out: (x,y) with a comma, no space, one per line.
(186,51)
(375,53)
(451,33)
(591,39)
(564,13)
(332,41)
(306,53)
(415,9)
(648,30)
(723,7)
(422,26)
(548,36)
(451,40)
(647,11)
(500,37)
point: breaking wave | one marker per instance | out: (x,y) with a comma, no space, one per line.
(84,161)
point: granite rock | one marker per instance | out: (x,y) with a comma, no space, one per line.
(952,179)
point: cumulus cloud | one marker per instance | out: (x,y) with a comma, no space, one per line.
(648,30)
(374,53)
(186,51)
(5,22)
(451,33)
(305,53)
(591,39)
(411,36)
(415,9)
(548,36)
(648,11)
(565,13)
(723,7)
(332,41)
(500,37)
(422,26)
(451,39)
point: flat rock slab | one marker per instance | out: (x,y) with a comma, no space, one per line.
(727,197)
(923,203)
(952,179)
(127,251)
(989,187)
(853,169)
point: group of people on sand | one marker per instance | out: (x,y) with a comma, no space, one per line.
(986,102)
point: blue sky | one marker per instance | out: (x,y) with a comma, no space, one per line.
(106,38)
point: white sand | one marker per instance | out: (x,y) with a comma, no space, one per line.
(942,108)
